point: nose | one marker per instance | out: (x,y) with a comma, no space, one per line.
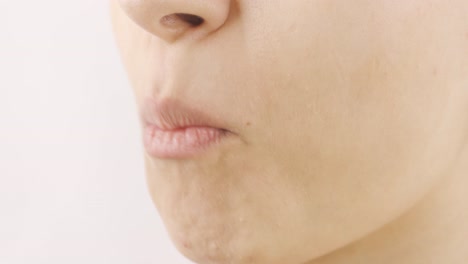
(174,19)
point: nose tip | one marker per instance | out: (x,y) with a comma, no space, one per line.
(173,19)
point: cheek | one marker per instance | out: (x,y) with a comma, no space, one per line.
(366,79)
(363,113)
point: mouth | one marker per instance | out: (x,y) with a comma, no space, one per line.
(187,142)
(174,130)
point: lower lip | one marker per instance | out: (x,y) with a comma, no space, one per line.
(181,143)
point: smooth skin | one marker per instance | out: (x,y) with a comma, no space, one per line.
(351,119)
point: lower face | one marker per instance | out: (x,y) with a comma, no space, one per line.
(346,115)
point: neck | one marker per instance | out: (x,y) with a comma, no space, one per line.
(433,231)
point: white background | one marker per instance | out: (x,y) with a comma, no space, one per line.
(72,186)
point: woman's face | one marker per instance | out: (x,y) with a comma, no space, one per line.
(346,115)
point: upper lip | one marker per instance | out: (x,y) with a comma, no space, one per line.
(171,114)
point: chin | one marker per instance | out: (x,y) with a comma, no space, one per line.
(231,246)
(206,242)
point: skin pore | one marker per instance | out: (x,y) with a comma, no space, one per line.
(350,121)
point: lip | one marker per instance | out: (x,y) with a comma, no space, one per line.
(174,130)
(172,114)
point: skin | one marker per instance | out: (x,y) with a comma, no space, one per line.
(351,123)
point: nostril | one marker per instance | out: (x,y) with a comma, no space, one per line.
(173,19)
(191,19)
